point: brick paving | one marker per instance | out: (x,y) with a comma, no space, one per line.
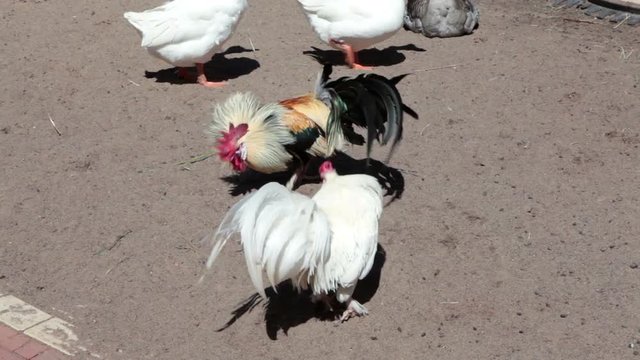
(14,345)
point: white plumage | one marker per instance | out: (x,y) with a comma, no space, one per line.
(353,25)
(326,243)
(187,32)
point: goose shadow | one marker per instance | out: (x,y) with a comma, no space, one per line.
(389,56)
(391,179)
(219,68)
(285,308)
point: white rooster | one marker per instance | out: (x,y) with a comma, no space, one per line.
(326,243)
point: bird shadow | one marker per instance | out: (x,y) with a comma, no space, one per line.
(219,68)
(250,180)
(391,179)
(389,56)
(285,308)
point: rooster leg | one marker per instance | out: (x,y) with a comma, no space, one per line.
(202,78)
(296,179)
(299,175)
(292,182)
(350,56)
(303,175)
(354,308)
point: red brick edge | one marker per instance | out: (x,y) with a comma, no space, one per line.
(14,345)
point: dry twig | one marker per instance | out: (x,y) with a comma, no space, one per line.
(54,125)
(441,67)
(197,158)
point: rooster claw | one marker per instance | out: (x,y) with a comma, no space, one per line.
(354,309)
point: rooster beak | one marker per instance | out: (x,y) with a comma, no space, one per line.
(242,152)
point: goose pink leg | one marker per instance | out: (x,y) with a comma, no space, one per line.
(202,78)
(351,57)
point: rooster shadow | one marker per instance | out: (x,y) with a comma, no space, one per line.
(219,68)
(389,56)
(391,179)
(285,308)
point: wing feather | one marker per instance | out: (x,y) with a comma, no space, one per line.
(353,204)
(282,233)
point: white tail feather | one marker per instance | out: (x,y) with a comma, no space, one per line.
(282,233)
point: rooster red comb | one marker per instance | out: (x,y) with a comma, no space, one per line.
(228,143)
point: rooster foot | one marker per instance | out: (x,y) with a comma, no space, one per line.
(354,309)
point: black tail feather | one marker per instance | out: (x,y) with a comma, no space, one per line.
(410,111)
(396,79)
(390,99)
(368,101)
(327,69)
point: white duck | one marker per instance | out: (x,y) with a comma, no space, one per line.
(353,25)
(188,32)
(441,18)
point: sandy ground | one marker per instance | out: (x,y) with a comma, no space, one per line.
(517,236)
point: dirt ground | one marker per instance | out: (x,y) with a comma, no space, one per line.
(517,235)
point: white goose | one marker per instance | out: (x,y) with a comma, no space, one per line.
(188,32)
(353,25)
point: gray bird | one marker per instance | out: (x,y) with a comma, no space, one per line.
(441,18)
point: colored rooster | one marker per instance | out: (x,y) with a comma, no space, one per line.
(275,137)
(325,243)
